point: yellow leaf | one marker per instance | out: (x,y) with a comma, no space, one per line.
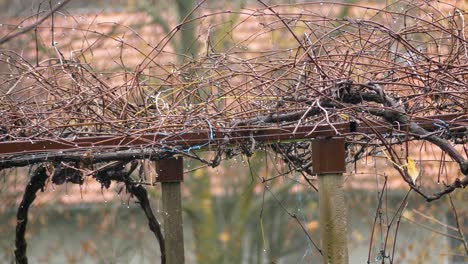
(412,169)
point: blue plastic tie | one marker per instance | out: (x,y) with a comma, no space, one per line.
(197,147)
(442,125)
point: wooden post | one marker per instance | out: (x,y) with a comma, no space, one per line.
(170,174)
(328,161)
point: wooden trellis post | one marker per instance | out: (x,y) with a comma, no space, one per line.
(170,174)
(328,161)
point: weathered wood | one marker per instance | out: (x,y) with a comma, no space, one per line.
(170,174)
(328,161)
(333,218)
(173,230)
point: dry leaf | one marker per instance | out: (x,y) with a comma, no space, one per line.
(412,169)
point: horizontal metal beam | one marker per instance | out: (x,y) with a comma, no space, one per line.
(199,139)
(182,140)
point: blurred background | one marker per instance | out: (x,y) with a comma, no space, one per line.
(230,215)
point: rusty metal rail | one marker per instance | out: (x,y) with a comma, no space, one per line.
(214,137)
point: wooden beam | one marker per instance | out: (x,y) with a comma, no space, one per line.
(328,161)
(170,174)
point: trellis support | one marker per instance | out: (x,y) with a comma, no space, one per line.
(170,174)
(328,159)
